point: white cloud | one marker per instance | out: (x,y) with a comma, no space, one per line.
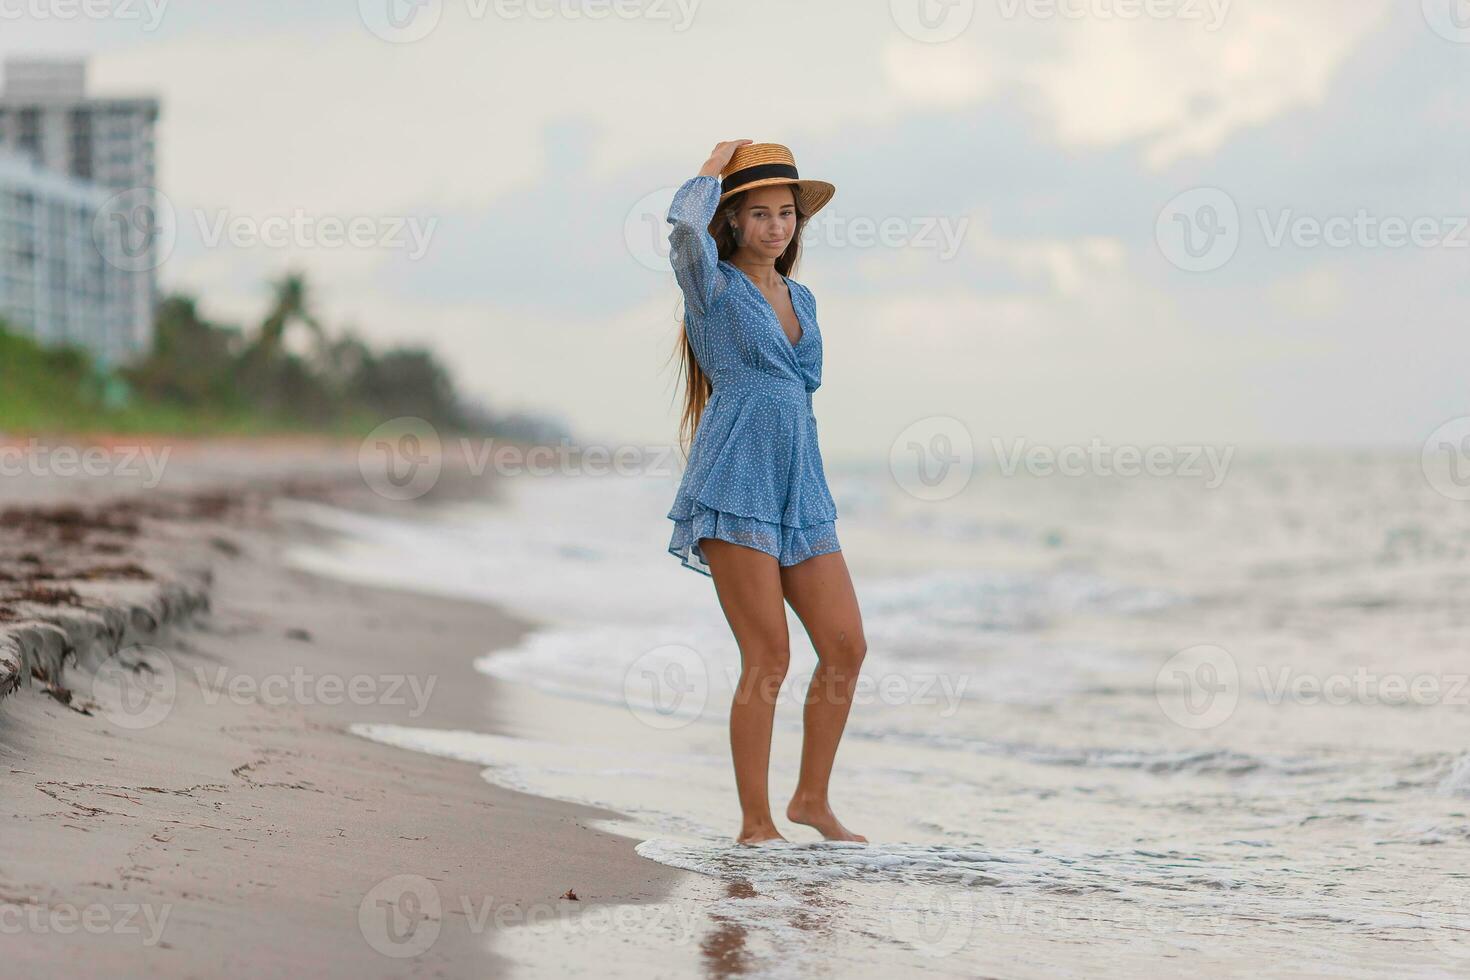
(1173,83)
(1068,266)
(945,76)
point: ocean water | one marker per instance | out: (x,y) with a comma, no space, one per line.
(1107,724)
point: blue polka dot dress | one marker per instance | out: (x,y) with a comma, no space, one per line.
(754,475)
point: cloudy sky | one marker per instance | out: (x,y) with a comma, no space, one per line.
(1146,221)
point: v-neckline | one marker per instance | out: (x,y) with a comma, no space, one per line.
(780,327)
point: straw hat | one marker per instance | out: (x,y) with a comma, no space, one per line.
(767,164)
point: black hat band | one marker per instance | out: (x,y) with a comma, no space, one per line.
(760,171)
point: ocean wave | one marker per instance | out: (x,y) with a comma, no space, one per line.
(970,601)
(1227,762)
(1456,781)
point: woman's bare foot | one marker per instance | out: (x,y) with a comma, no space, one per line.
(758,833)
(819,814)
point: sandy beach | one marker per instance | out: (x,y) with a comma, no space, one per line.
(277,722)
(229,823)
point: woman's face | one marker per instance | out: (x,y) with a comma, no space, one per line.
(767,220)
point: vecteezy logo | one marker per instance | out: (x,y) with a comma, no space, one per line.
(135,687)
(136,229)
(667,687)
(932,21)
(1198,687)
(1199,230)
(400,916)
(646,229)
(934,922)
(934,458)
(401,21)
(1446,459)
(1450,19)
(401,459)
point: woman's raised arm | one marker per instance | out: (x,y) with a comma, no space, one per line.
(692,250)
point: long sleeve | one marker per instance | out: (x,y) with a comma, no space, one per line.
(692,251)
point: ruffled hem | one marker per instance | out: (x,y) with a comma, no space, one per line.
(754,456)
(789,545)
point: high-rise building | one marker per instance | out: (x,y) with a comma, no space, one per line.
(79,145)
(56,283)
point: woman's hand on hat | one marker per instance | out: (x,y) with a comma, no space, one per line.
(719,157)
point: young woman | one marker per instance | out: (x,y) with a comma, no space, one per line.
(753,509)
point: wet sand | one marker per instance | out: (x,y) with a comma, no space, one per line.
(234,825)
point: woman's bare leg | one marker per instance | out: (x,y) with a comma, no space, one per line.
(820,591)
(748,583)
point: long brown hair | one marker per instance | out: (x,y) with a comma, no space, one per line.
(698,387)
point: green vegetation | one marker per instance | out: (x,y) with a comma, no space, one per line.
(204,378)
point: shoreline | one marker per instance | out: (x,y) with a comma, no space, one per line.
(255,823)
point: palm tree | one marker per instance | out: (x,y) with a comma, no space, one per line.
(291,305)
